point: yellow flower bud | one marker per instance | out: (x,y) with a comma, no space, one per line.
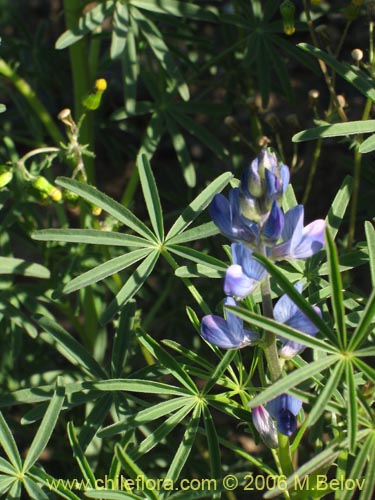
(46,189)
(287,11)
(101,85)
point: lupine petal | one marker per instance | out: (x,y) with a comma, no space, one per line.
(299,321)
(235,323)
(273,228)
(293,224)
(216,331)
(285,308)
(265,426)
(243,256)
(273,185)
(285,176)
(220,214)
(251,182)
(290,349)
(285,408)
(237,283)
(312,240)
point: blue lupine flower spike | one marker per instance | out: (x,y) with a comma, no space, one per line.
(284,409)
(227,333)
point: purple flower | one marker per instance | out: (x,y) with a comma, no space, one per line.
(227,216)
(299,242)
(245,274)
(227,333)
(284,409)
(265,426)
(286,311)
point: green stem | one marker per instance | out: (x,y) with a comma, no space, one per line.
(79,61)
(29,95)
(270,349)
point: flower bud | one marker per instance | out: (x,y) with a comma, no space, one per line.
(6,175)
(264,424)
(46,189)
(287,11)
(93,100)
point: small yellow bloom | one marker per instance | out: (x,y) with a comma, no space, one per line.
(101,84)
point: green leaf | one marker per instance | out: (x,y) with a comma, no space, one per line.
(106,203)
(370,238)
(178,8)
(130,71)
(91,237)
(182,152)
(10,265)
(131,287)
(213,444)
(199,257)
(320,404)
(91,21)
(292,380)
(6,467)
(104,270)
(6,482)
(135,385)
(69,347)
(51,484)
(289,198)
(219,370)
(134,471)
(185,447)
(197,206)
(339,206)
(200,232)
(94,420)
(367,145)
(120,28)
(367,370)
(368,480)
(9,445)
(123,336)
(83,464)
(46,428)
(161,432)
(156,43)
(337,296)
(296,297)
(359,466)
(151,195)
(351,74)
(168,361)
(335,130)
(365,321)
(199,271)
(352,406)
(145,416)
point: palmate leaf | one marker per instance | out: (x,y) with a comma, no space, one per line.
(213,446)
(130,70)
(120,29)
(179,9)
(359,466)
(182,153)
(367,145)
(370,238)
(339,205)
(364,324)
